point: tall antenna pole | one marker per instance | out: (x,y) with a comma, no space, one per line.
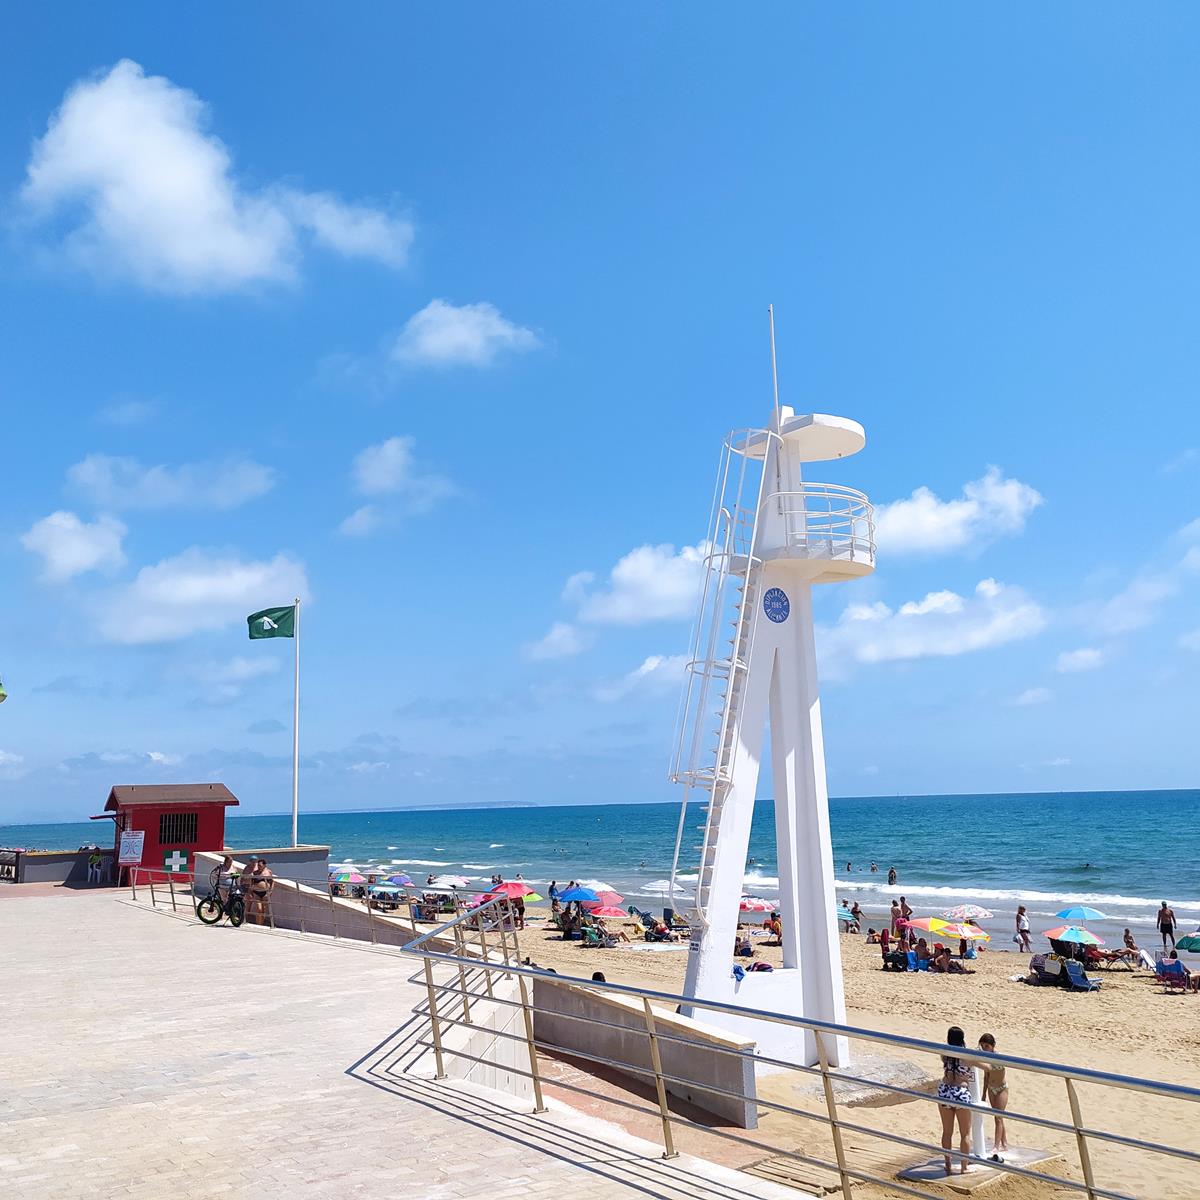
(774,367)
(296,732)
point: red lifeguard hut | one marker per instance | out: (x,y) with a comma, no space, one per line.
(176,820)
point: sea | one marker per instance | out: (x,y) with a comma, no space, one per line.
(1119,852)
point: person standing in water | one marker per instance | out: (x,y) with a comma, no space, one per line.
(891,876)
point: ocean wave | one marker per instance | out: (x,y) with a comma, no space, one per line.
(759,880)
(419,862)
(1101,900)
(495,845)
(478,866)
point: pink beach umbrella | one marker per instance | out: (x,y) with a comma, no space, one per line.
(755,904)
(513,890)
(604,911)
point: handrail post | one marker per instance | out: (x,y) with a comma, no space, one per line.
(1085,1158)
(299,906)
(171,885)
(153,898)
(462,975)
(539,1105)
(434,1022)
(487,958)
(132,881)
(835,1126)
(664,1112)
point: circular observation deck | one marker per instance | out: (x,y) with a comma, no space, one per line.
(828,528)
(812,437)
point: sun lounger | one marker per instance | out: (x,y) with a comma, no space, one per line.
(1077,979)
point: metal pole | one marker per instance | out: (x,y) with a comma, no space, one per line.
(656,1061)
(462,975)
(332,911)
(434,1022)
(1085,1158)
(538,1104)
(300,907)
(774,367)
(487,958)
(831,1106)
(171,886)
(296,729)
(153,898)
(132,880)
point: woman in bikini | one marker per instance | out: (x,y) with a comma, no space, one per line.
(955,1088)
(995,1087)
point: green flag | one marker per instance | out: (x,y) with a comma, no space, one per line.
(3,693)
(272,622)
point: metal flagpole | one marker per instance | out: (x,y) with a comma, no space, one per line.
(774,369)
(296,733)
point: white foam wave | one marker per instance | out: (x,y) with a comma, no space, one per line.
(495,845)
(478,867)
(1101,900)
(419,862)
(757,879)
(393,847)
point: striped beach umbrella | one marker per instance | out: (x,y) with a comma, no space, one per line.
(1074,933)
(969,912)
(965,929)
(346,877)
(755,904)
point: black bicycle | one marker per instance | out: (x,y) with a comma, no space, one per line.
(212,908)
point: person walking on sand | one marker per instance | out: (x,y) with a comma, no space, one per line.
(897,917)
(1166,924)
(995,1087)
(1023,942)
(955,1090)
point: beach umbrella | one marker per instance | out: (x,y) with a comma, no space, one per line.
(1189,941)
(1080,912)
(611,898)
(608,910)
(929,924)
(400,880)
(597,885)
(580,894)
(969,912)
(1074,933)
(451,881)
(513,890)
(964,929)
(755,904)
(346,877)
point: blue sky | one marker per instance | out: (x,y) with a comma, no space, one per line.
(440,317)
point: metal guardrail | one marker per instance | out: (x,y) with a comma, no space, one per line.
(509,965)
(480,943)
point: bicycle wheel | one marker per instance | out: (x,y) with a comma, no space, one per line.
(210,910)
(236,910)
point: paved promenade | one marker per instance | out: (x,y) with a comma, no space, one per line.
(147,1056)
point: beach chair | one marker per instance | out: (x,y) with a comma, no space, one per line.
(1077,979)
(922,963)
(1170,973)
(911,959)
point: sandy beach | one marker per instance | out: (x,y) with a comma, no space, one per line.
(1130,1027)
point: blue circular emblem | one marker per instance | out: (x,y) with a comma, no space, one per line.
(776,605)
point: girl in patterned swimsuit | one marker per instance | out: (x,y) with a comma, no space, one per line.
(996,1088)
(956,1075)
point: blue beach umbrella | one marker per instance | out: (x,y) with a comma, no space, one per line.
(582,894)
(400,880)
(1081,912)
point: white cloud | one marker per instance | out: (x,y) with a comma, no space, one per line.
(1085,659)
(1059,762)
(651,583)
(1136,606)
(1037,695)
(1191,641)
(363,520)
(657,674)
(197,591)
(562,641)
(12,766)
(226,679)
(1185,458)
(149,193)
(118,483)
(69,546)
(942,624)
(390,469)
(126,413)
(444,334)
(989,507)
(368,768)
(159,759)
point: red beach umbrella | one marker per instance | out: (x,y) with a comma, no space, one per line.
(513,890)
(608,910)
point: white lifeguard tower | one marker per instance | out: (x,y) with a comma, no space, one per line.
(772,536)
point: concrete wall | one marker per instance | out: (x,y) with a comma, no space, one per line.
(703,1059)
(309,864)
(505,1064)
(55,866)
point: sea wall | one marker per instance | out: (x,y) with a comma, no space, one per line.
(614,1027)
(53,866)
(309,864)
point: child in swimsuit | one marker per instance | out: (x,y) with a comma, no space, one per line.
(995,1086)
(955,1090)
